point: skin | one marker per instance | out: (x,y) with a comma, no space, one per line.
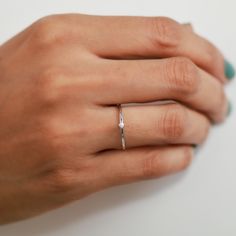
(61,79)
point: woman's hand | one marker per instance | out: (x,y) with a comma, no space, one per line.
(61,79)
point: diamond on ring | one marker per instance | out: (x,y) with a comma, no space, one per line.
(121,126)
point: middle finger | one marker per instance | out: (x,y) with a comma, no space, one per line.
(177,79)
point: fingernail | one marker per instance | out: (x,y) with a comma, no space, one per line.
(229,70)
(230,108)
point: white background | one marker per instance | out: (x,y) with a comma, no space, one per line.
(200,201)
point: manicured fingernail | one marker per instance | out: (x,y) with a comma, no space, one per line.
(229,70)
(230,108)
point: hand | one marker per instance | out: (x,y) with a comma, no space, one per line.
(61,79)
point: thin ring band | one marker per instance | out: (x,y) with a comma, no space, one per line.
(121,126)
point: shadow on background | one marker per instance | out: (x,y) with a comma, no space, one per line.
(79,211)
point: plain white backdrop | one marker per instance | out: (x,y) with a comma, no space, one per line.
(200,201)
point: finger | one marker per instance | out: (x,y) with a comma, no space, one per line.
(121,167)
(156,125)
(149,37)
(151,80)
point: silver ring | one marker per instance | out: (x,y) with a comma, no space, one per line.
(121,126)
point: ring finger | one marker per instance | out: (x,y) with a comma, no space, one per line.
(155,124)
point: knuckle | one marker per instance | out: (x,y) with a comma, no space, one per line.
(62,180)
(57,132)
(182,75)
(49,85)
(172,122)
(49,31)
(165,31)
(67,178)
(154,164)
(150,165)
(212,56)
(52,134)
